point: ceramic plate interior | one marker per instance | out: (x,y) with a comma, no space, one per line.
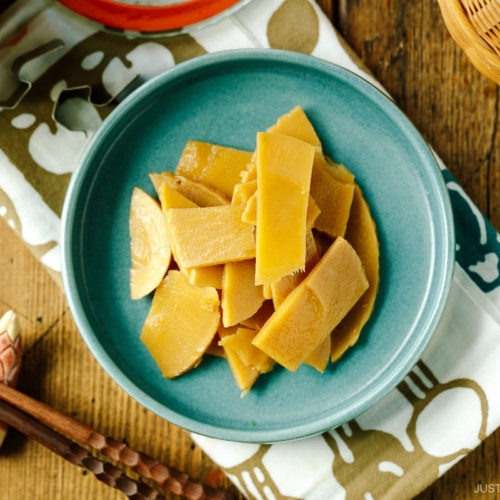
(226,98)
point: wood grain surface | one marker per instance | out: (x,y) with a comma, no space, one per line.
(405,44)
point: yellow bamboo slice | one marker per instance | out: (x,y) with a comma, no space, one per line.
(243,191)
(294,330)
(320,357)
(198,193)
(241,297)
(362,235)
(296,124)
(170,198)
(244,376)
(201,276)
(181,324)
(339,171)
(250,213)
(214,165)
(206,276)
(257,321)
(287,284)
(284,166)
(149,244)
(314,308)
(333,194)
(208,236)
(241,343)
(333,197)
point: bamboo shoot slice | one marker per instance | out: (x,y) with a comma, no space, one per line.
(257,321)
(198,193)
(208,236)
(250,213)
(296,124)
(362,235)
(315,307)
(284,166)
(149,244)
(241,297)
(319,358)
(181,324)
(243,191)
(333,197)
(241,343)
(214,165)
(244,376)
(170,198)
(287,284)
(250,174)
(339,171)
(206,276)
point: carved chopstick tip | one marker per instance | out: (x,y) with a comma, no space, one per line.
(9,323)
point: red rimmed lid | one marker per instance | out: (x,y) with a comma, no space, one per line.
(148,18)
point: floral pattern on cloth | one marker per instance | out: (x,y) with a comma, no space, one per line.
(61,75)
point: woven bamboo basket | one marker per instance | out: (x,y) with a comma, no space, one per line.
(475,26)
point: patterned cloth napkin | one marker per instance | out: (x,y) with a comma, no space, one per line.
(61,75)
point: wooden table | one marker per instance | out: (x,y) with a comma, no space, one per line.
(407,47)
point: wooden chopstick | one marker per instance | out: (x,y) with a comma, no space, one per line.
(66,436)
(77,455)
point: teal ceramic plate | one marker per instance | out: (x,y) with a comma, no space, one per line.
(226,98)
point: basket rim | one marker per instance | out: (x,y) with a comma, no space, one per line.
(479,52)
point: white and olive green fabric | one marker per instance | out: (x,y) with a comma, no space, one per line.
(61,75)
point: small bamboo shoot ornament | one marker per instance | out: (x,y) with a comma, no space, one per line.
(10,355)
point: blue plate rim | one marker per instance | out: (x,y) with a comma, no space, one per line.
(433,311)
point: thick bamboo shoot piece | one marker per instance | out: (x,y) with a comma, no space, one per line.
(215,165)
(250,174)
(361,234)
(170,198)
(284,166)
(149,244)
(339,171)
(315,307)
(208,236)
(201,276)
(206,276)
(181,324)
(244,375)
(200,194)
(296,124)
(321,355)
(250,213)
(241,342)
(243,191)
(333,197)
(257,321)
(241,297)
(287,284)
